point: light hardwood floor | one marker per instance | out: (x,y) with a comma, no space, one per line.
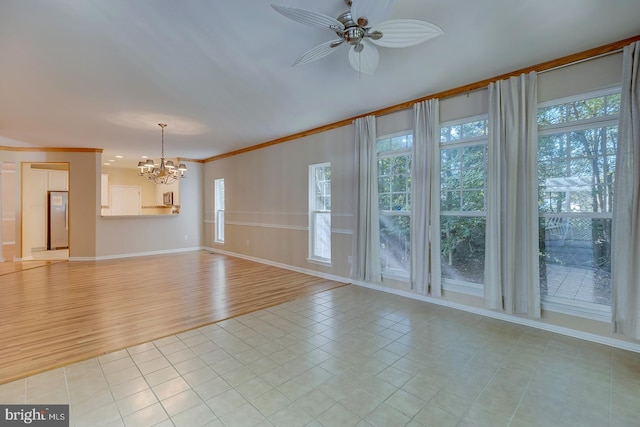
(70,311)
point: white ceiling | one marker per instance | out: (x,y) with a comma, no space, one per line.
(103,73)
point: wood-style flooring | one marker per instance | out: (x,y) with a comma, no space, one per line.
(14,266)
(65,312)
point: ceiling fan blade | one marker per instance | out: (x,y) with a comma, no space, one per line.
(309,17)
(318,52)
(365,61)
(374,10)
(404,32)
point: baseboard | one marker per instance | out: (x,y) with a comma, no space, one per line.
(136,254)
(612,342)
(281,265)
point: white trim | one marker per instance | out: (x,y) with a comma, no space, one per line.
(613,342)
(8,243)
(135,254)
(578,125)
(341,231)
(466,214)
(282,226)
(256,224)
(464,142)
(466,288)
(283,266)
(581,96)
(325,263)
(599,312)
(266,213)
(395,134)
(464,120)
(585,215)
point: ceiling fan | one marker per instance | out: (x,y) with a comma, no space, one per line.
(362,27)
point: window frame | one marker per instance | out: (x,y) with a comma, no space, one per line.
(314,213)
(578,308)
(394,273)
(218,210)
(455,285)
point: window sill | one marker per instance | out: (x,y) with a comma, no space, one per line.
(398,277)
(586,310)
(467,288)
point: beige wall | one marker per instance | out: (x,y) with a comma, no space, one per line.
(90,235)
(84,193)
(266,193)
(123,236)
(266,200)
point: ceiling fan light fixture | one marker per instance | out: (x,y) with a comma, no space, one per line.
(363,21)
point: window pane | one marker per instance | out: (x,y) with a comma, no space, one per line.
(473,200)
(322,237)
(395,243)
(399,142)
(384,166)
(551,115)
(450,133)
(384,202)
(383,145)
(450,201)
(384,185)
(462,248)
(474,157)
(474,129)
(613,104)
(575,260)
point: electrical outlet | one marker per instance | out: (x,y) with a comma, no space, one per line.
(186,237)
(349,259)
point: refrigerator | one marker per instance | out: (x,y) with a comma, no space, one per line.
(58,220)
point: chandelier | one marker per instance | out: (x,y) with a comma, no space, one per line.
(166,172)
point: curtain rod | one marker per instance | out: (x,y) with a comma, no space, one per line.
(569,64)
(580,61)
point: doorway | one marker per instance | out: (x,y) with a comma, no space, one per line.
(45,211)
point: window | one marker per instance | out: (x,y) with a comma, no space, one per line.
(463,178)
(320,212)
(219,210)
(577,141)
(394,202)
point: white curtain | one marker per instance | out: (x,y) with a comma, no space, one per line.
(512,280)
(425,199)
(366,248)
(625,264)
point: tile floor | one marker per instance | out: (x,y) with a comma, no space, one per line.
(349,357)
